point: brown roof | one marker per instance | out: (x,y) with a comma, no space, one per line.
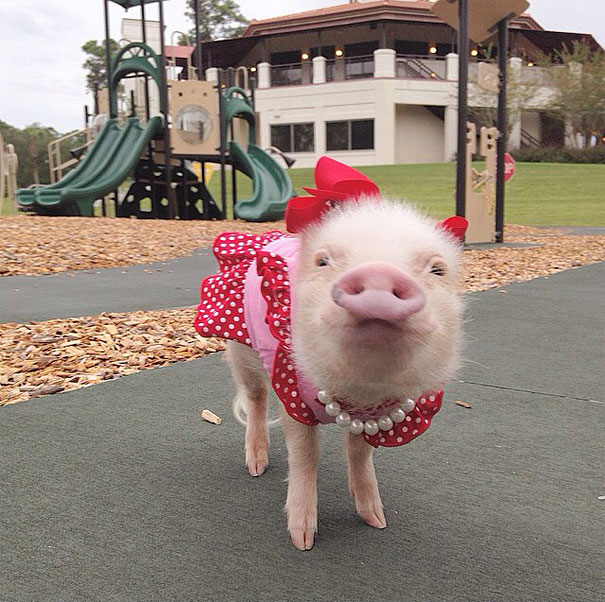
(348,14)
(178,52)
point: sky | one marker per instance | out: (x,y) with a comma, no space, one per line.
(41,75)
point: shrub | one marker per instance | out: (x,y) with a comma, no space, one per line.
(595,154)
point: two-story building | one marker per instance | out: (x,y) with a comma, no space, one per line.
(375,82)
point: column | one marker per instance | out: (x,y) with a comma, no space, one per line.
(515,65)
(384,62)
(450,133)
(212,74)
(263,70)
(319,70)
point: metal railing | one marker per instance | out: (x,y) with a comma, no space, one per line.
(292,74)
(55,163)
(359,67)
(528,139)
(420,67)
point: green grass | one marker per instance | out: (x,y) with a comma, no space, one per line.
(551,194)
(539,193)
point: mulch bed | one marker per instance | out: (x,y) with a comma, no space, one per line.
(40,358)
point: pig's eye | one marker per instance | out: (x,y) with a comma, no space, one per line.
(438,269)
(322,261)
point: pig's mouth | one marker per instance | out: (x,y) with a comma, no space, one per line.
(375,331)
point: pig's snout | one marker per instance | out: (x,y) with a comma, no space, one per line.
(378,291)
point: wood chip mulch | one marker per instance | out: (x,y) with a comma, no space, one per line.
(40,358)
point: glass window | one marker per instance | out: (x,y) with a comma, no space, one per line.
(281,137)
(304,137)
(350,135)
(337,135)
(294,137)
(362,134)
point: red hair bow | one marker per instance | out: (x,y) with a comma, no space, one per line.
(335,183)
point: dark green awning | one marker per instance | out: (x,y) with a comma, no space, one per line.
(130,3)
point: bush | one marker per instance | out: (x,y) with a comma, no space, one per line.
(595,154)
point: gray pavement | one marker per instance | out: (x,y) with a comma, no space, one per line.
(121,492)
(170,283)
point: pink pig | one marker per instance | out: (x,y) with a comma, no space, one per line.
(356,320)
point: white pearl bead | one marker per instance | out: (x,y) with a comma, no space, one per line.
(371,427)
(323,397)
(408,405)
(397,415)
(356,426)
(343,419)
(333,408)
(385,423)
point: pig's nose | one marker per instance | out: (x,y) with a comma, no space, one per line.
(378,291)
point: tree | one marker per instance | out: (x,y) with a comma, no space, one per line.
(96,76)
(218,19)
(31,145)
(578,84)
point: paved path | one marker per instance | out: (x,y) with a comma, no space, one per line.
(171,283)
(121,492)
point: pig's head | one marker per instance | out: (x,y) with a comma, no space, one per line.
(378,309)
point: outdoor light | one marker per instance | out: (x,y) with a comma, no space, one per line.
(432,49)
(530,64)
(433,74)
(304,56)
(252,69)
(474,52)
(339,52)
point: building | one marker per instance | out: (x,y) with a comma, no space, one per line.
(375,82)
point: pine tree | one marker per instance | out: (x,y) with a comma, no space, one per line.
(218,19)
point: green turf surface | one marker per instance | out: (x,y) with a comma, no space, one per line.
(556,194)
(539,193)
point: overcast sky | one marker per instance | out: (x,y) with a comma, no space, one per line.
(41,75)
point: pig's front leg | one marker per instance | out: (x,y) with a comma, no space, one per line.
(301,503)
(362,482)
(252,390)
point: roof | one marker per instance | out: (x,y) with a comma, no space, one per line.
(178,52)
(358,12)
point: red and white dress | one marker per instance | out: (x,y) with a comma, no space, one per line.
(250,301)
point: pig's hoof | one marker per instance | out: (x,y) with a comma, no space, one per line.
(373,517)
(303,539)
(257,463)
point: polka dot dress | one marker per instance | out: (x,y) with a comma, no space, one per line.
(221,313)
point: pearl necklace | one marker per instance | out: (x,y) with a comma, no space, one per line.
(357,426)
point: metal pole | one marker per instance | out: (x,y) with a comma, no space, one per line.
(502,125)
(463,50)
(147,111)
(173,210)
(223,144)
(198,42)
(107,55)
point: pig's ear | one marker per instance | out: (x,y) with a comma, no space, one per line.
(455,225)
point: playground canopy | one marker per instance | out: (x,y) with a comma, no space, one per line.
(130,3)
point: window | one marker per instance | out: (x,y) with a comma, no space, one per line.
(294,137)
(350,135)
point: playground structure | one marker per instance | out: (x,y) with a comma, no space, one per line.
(480,201)
(199,123)
(9,163)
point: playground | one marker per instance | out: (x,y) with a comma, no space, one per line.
(115,488)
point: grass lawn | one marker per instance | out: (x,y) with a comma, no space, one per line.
(551,194)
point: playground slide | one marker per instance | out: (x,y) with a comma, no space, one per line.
(272,187)
(113,155)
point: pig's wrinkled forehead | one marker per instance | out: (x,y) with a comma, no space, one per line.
(380,228)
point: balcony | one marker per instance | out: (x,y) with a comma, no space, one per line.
(420,67)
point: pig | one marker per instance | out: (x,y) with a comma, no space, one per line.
(355,319)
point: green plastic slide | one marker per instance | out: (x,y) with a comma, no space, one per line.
(111,158)
(272,187)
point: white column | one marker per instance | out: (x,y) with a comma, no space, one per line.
(451,66)
(385,126)
(450,133)
(515,65)
(384,62)
(263,71)
(212,74)
(319,70)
